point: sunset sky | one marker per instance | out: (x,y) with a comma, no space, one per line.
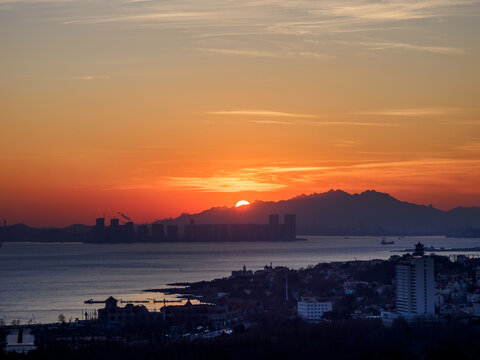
(153,108)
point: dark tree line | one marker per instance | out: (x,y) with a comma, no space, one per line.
(294,339)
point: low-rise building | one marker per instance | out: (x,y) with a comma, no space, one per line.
(312,309)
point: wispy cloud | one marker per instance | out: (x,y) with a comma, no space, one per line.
(346,143)
(91,77)
(284,169)
(298,119)
(141,17)
(254,53)
(412,112)
(267,113)
(273,122)
(31,1)
(407,173)
(394,10)
(314,55)
(357,123)
(473,146)
(221,184)
(403,46)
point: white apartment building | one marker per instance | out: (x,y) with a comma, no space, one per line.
(310,309)
(415,286)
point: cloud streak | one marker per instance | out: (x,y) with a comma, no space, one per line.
(403,46)
(254,53)
(412,112)
(416,172)
(91,77)
(221,184)
(267,113)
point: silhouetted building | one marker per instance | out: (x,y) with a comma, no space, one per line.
(99,230)
(220,232)
(190,316)
(158,232)
(142,233)
(113,232)
(172,233)
(128,232)
(290,227)
(419,249)
(274,232)
(114,316)
(274,219)
(189,231)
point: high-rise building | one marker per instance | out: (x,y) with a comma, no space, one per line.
(274,219)
(290,227)
(415,285)
(99,230)
(172,232)
(142,233)
(128,232)
(158,232)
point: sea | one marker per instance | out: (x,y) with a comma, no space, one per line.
(40,281)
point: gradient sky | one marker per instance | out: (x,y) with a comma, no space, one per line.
(157,107)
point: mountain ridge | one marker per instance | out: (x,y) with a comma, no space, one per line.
(334,212)
(337,212)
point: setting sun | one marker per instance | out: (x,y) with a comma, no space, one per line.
(242,203)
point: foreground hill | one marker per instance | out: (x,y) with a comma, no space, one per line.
(339,213)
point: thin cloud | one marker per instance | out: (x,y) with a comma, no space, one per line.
(404,46)
(281,169)
(395,10)
(357,123)
(273,122)
(140,17)
(267,113)
(315,55)
(473,146)
(221,184)
(90,77)
(31,1)
(254,53)
(346,143)
(411,112)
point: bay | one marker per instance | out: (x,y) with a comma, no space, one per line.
(40,281)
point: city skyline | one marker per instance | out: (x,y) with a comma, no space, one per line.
(158,108)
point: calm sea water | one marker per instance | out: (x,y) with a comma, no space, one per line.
(41,281)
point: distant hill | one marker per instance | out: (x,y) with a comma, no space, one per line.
(22,232)
(339,213)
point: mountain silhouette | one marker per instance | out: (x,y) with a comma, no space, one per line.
(337,212)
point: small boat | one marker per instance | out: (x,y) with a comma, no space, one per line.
(385,242)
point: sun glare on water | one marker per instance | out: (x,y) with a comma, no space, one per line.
(242,203)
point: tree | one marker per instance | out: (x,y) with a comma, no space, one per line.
(61,319)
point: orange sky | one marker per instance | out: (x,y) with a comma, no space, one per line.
(153,108)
